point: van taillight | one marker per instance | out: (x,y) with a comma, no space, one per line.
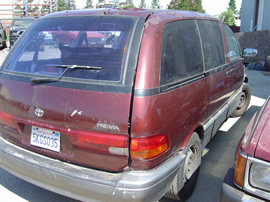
(100,142)
(7,121)
(6,118)
(149,147)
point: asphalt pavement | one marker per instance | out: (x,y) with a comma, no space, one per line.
(217,159)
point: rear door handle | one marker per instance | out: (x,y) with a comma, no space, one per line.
(230,71)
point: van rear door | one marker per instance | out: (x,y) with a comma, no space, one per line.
(69,97)
(218,81)
(234,55)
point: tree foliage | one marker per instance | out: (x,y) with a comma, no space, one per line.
(155,4)
(191,5)
(89,4)
(142,4)
(66,5)
(228,17)
(128,3)
(232,5)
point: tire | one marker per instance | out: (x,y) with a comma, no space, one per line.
(243,102)
(189,174)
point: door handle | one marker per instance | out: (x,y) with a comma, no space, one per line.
(230,71)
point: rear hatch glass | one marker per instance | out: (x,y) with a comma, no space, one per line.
(96,43)
(64,92)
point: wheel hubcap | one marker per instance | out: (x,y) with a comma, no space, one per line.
(242,100)
(192,162)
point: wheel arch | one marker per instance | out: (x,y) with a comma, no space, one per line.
(200,131)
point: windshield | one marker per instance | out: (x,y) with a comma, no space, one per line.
(22,22)
(81,41)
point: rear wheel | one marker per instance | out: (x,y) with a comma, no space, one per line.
(189,174)
(243,102)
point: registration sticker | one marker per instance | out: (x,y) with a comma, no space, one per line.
(44,138)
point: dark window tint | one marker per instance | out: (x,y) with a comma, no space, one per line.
(181,51)
(212,42)
(233,45)
(94,44)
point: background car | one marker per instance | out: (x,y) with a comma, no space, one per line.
(17,27)
(68,38)
(3,37)
(249,179)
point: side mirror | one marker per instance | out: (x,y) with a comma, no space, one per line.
(8,25)
(250,52)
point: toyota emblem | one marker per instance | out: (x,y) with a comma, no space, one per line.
(39,112)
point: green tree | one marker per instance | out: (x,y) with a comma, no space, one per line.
(71,5)
(66,5)
(190,5)
(142,4)
(155,3)
(62,5)
(129,3)
(101,1)
(200,3)
(89,4)
(228,17)
(232,5)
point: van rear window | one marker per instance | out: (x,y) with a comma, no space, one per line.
(84,47)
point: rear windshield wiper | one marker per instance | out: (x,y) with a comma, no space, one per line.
(71,67)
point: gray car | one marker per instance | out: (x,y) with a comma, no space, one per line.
(3,37)
(17,27)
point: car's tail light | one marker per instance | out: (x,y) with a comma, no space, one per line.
(100,142)
(149,147)
(6,118)
(7,121)
(239,170)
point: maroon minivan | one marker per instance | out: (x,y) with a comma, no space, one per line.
(124,117)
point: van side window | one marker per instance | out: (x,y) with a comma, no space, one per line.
(181,51)
(212,42)
(233,45)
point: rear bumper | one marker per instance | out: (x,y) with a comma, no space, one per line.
(229,192)
(88,184)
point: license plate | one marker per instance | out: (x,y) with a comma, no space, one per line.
(44,138)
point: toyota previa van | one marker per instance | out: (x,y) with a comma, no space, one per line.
(125,110)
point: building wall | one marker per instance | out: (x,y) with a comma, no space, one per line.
(255,16)
(248,12)
(264,15)
(257,39)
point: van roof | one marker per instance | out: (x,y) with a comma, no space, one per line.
(138,12)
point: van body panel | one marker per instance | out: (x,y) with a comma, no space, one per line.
(176,113)
(219,89)
(82,111)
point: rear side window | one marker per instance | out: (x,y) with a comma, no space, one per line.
(91,48)
(212,42)
(181,52)
(234,51)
